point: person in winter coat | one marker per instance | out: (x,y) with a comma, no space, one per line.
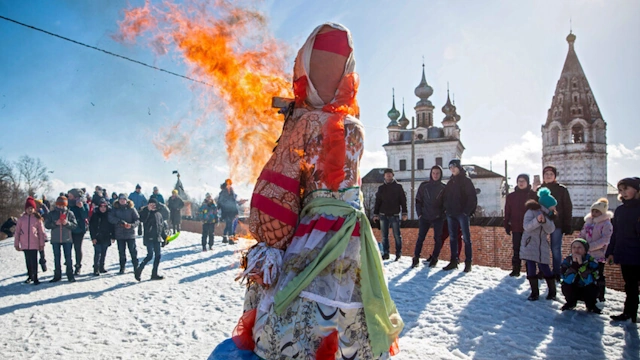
(97,195)
(156,195)
(175,204)
(579,277)
(538,224)
(391,201)
(125,219)
(597,231)
(514,215)
(114,198)
(61,221)
(430,214)
(209,214)
(102,235)
(460,201)
(30,238)
(81,211)
(154,236)
(624,248)
(564,210)
(8,228)
(139,200)
(228,206)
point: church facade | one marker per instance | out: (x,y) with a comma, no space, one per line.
(574,136)
(412,151)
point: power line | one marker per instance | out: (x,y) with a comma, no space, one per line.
(105,51)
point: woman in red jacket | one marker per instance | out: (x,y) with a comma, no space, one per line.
(30,238)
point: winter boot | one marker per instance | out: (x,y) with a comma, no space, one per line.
(138,272)
(516,271)
(71,278)
(601,288)
(398,256)
(225,240)
(77,272)
(121,270)
(416,262)
(551,285)
(568,306)
(43,263)
(625,317)
(231,242)
(384,256)
(452,265)
(535,288)
(433,262)
(157,277)
(467,266)
(96,271)
(103,270)
(56,276)
(28,281)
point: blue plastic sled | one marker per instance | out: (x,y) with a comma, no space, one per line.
(227,350)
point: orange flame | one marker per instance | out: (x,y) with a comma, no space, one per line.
(234,52)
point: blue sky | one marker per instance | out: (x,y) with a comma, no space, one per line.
(92,117)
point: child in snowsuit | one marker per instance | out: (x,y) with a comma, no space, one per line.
(579,277)
(209,213)
(597,232)
(535,248)
(30,238)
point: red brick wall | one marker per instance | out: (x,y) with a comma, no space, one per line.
(491,247)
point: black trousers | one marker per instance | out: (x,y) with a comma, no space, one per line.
(153,251)
(31,259)
(424,226)
(631,276)
(516,239)
(77,247)
(573,293)
(207,232)
(122,246)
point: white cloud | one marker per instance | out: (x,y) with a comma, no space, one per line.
(524,156)
(371,160)
(622,152)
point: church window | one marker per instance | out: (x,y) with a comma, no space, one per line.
(575,98)
(430,121)
(420,164)
(554,136)
(600,136)
(577,134)
(403,165)
(439,161)
(420,136)
(574,83)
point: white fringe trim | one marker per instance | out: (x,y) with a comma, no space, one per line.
(266,260)
(323,300)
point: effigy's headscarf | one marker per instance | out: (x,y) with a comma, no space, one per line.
(324,78)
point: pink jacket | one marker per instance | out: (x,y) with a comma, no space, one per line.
(598,233)
(30,233)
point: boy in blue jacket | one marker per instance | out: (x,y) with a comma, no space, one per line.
(579,277)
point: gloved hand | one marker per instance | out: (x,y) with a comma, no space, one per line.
(507,229)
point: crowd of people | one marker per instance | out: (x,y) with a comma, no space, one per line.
(536,221)
(108,221)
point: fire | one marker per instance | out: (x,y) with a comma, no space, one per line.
(230,48)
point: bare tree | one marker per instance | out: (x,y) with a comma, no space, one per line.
(11,195)
(33,175)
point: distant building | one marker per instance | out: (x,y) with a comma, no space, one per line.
(574,137)
(432,146)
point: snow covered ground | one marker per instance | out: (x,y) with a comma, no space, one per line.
(448,315)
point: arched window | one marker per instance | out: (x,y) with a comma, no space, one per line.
(577,134)
(554,136)
(574,83)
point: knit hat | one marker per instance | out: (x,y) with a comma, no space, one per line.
(62,201)
(601,205)
(388,171)
(30,203)
(103,201)
(123,196)
(550,168)
(155,188)
(583,242)
(545,198)
(174,192)
(207,195)
(456,163)
(138,186)
(525,177)
(153,201)
(633,182)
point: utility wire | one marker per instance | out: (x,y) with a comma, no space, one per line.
(105,51)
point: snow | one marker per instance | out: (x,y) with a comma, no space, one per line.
(448,315)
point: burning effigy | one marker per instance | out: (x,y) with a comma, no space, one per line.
(315,282)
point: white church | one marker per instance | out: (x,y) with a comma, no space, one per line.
(574,141)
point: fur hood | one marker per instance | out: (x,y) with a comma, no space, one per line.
(604,217)
(116,204)
(532,205)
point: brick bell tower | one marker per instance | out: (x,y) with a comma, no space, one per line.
(574,137)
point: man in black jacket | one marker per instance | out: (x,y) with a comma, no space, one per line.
(562,220)
(390,202)
(430,214)
(460,202)
(154,235)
